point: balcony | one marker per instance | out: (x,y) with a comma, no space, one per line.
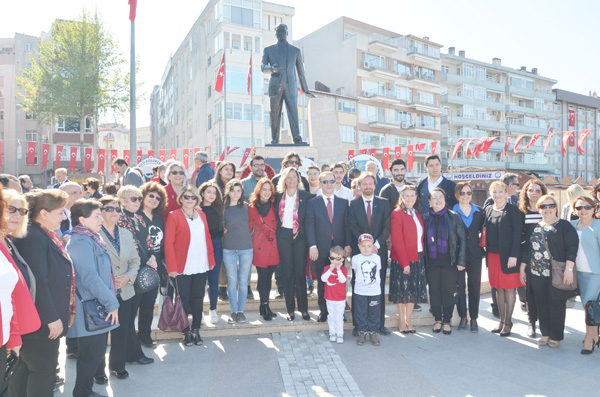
(423,80)
(518,126)
(547,114)
(521,92)
(479,124)
(424,57)
(545,94)
(383,122)
(458,79)
(387,96)
(421,128)
(381,44)
(71,138)
(512,108)
(425,106)
(490,104)
(380,71)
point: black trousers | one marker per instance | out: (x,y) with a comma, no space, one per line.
(471,278)
(287,94)
(120,338)
(382,275)
(532,309)
(263,284)
(35,372)
(2,364)
(442,282)
(292,260)
(146,312)
(551,306)
(191,290)
(134,347)
(91,354)
(367,313)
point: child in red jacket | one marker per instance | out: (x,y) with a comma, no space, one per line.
(334,276)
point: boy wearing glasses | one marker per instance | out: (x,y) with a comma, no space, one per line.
(334,277)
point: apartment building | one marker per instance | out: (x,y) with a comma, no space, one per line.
(481,99)
(394,78)
(186,111)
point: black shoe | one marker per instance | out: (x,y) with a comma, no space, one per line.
(269,311)
(311,288)
(417,308)
(531,330)
(101,380)
(196,336)
(250,296)
(506,333)
(384,331)
(322,318)
(524,307)
(298,141)
(58,382)
(305,316)
(264,312)
(145,360)
(437,330)
(120,374)
(223,294)
(446,331)
(355,332)
(498,329)
(147,341)
(279,293)
(96,394)
(291,317)
(274,142)
(594,345)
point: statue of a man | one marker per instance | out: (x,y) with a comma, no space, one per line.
(280,60)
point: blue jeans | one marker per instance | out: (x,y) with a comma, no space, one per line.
(213,275)
(237,265)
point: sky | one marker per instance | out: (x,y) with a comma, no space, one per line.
(557,37)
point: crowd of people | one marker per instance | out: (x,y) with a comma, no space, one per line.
(119,245)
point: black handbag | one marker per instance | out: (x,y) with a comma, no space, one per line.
(95,314)
(147,279)
(11,361)
(592,312)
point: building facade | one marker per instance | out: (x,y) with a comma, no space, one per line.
(481,99)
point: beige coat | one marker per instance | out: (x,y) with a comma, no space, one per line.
(128,262)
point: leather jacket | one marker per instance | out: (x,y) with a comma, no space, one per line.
(457,240)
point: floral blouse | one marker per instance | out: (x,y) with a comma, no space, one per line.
(540,258)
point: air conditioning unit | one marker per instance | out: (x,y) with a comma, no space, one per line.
(366,65)
(404,124)
(367,94)
(495,113)
(496,133)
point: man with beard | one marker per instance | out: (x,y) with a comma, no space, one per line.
(257,168)
(391,191)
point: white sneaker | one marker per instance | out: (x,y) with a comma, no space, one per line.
(340,339)
(332,338)
(214,317)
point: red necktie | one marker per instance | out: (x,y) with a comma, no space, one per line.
(369,212)
(330,209)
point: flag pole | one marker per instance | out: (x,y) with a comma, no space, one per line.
(132,127)
(251,104)
(225,100)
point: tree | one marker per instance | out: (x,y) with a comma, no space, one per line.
(78,73)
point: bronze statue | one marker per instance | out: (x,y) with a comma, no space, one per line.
(280,60)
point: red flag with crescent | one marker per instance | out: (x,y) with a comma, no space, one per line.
(566,137)
(410,157)
(386,158)
(101,160)
(220,75)
(150,153)
(517,142)
(59,149)
(506,145)
(478,146)
(45,153)
(350,154)
(420,147)
(113,157)
(30,153)
(186,157)
(398,152)
(173,154)
(532,140)
(457,147)
(584,134)
(548,140)
(88,159)
(433,147)
(373,152)
(138,156)
(222,157)
(487,144)
(245,156)
(363,151)
(571,118)
(468,148)
(162,153)
(126,156)
(72,158)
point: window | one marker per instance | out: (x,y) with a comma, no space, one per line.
(218,111)
(401,68)
(29,116)
(374,61)
(480,93)
(236,41)
(31,135)
(480,73)
(444,69)
(346,106)
(539,104)
(426,97)
(348,133)
(209,122)
(257,45)
(467,112)
(468,70)
(267,118)
(401,117)
(209,93)
(28,47)
(1,114)
(426,121)
(239,111)
(237,80)
(466,91)
(520,82)
(403,93)
(266,86)
(372,139)
(67,124)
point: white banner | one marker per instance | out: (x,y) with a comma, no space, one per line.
(475,175)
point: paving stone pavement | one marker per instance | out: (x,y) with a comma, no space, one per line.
(310,366)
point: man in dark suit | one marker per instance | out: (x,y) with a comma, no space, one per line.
(280,60)
(61,177)
(326,226)
(391,191)
(371,214)
(127,176)
(434,179)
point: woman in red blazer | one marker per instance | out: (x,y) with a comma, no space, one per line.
(407,274)
(263,223)
(187,262)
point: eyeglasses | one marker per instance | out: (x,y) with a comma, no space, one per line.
(189,197)
(135,199)
(293,162)
(336,258)
(328,181)
(112,209)
(469,193)
(177,173)
(22,211)
(516,184)
(154,196)
(581,207)
(547,206)
(259,165)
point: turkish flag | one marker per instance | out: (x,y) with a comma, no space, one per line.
(532,140)
(398,152)
(101,159)
(572,139)
(162,155)
(220,75)
(173,154)
(59,149)
(571,118)
(468,148)
(487,144)
(350,154)
(229,151)
(222,157)
(363,151)
(138,156)
(132,9)
(506,145)
(88,159)
(477,147)
(386,158)
(584,134)
(566,137)
(113,157)
(457,147)
(420,147)
(126,156)
(30,153)
(249,83)
(373,152)
(72,158)
(150,153)
(186,157)
(519,139)
(45,153)
(433,147)
(548,140)
(410,157)
(245,156)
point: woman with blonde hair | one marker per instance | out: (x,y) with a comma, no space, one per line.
(573,193)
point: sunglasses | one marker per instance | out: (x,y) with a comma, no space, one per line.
(547,206)
(336,258)
(581,207)
(469,193)
(516,184)
(259,165)
(177,173)
(112,209)
(22,211)
(293,162)
(328,181)
(189,197)
(135,199)
(154,196)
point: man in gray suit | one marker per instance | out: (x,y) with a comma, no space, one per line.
(127,176)
(280,60)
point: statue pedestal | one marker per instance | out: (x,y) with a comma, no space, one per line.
(279,150)
(287,145)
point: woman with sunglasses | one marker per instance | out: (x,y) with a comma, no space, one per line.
(152,231)
(551,238)
(189,256)
(588,263)
(472,218)
(212,206)
(263,224)
(177,177)
(407,272)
